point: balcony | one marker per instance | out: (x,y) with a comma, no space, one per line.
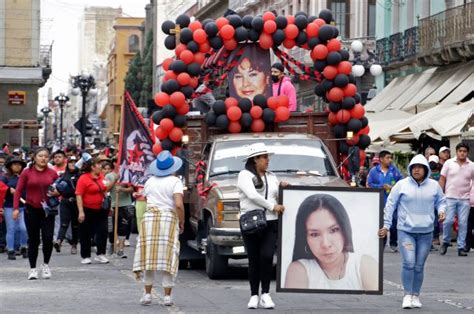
(398,49)
(241,6)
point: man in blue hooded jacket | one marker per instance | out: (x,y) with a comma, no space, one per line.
(415,197)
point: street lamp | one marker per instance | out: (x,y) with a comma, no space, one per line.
(61,100)
(46,111)
(83,84)
(358,69)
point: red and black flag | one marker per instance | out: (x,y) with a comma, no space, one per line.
(135,145)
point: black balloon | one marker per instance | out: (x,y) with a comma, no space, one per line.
(178,66)
(247,21)
(211,29)
(326,15)
(257,24)
(260,100)
(327,84)
(210,118)
(354,125)
(185,36)
(339,130)
(281,22)
(313,42)
(183,20)
(301,39)
(205,22)
(335,32)
(222,122)
(318,90)
(170,42)
(365,121)
(334,107)
(241,34)
(193,46)
(268,116)
(301,13)
(157,116)
(179,121)
(245,104)
(219,107)
(334,58)
(216,42)
(278,37)
(254,35)
(319,65)
(357,98)
(326,32)
(246,120)
(341,80)
(167,26)
(301,22)
(311,18)
(348,103)
(194,69)
(167,144)
(364,141)
(169,111)
(343,148)
(344,54)
(171,86)
(352,78)
(187,91)
(235,20)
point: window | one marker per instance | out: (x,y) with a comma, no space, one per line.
(341,14)
(133,43)
(371,18)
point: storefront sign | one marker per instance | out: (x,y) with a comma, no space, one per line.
(16,97)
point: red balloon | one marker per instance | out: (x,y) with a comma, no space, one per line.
(166,63)
(234,113)
(358,111)
(266,41)
(268,16)
(256,112)
(183,79)
(335,94)
(272,102)
(344,67)
(330,72)
(350,90)
(157,148)
(332,118)
(234,127)
(174,150)
(290,19)
(227,32)
(289,43)
(160,133)
(257,125)
(320,52)
(194,26)
(320,22)
(283,100)
(199,57)
(162,99)
(343,116)
(186,56)
(200,36)
(167,125)
(353,141)
(282,114)
(362,157)
(220,22)
(230,44)
(269,27)
(180,48)
(231,101)
(177,99)
(184,109)
(334,45)
(204,47)
(176,134)
(312,30)
(170,75)
(194,82)
(291,31)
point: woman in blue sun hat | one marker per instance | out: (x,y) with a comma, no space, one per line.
(163,222)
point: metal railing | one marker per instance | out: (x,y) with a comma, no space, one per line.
(46,55)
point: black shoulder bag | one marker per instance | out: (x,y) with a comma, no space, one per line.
(107,201)
(255,220)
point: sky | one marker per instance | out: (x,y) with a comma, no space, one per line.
(59,25)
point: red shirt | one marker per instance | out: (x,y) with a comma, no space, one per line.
(36,184)
(88,187)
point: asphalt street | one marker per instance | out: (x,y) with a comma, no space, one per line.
(112,288)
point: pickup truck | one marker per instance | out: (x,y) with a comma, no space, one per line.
(301,157)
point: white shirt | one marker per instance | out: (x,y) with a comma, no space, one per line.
(251,198)
(159,191)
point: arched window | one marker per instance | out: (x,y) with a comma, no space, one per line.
(133,43)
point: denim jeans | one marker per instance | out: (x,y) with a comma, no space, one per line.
(414,248)
(14,226)
(459,207)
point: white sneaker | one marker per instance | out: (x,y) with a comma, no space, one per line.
(86,261)
(32,274)
(407,303)
(253,302)
(46,272)
(101,259)
(266,301)
(167,300)
(146,299)
(126,243)
(415,302)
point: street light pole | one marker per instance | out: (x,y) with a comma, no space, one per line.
(46,111)
(84,84)
(61,100)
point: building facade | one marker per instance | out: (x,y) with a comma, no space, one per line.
(25,66)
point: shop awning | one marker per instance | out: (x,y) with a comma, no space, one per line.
(384,123)
(464,89)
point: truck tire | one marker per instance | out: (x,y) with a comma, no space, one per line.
(216,265)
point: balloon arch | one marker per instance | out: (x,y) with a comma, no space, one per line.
(202,51)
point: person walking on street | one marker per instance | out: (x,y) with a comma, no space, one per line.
(384,176)
(444,154)
(282,85)
(456,181)
(470,222)
(36,180)
(415,197)
(258,189)
(158,243)
(14,166)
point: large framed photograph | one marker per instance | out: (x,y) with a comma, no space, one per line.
(328,240)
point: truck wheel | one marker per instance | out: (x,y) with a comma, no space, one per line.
(216,265)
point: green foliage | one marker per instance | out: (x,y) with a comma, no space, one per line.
(134,78)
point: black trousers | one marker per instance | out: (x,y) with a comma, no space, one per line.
(260,249)
(470,226)
(36,222)
(123,223)
(393,231)
(95,223)
(69,215)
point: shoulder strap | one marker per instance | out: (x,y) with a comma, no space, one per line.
(279,87)
(266,186)
(102,191)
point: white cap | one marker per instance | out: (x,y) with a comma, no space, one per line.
(442,149)
(257,149)
(433,158)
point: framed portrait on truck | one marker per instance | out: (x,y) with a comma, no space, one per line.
(328,240)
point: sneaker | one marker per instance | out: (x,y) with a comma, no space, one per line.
(2,249)
(433,248)
(11,255)
(86,261)
(73,250)
(32,274)
(266,301)
(146,299)
(461,252)
(45,272)
(101,259)
(126,243)
(415,302)
(167,300)
(57,246)
(253,302)
(393,249)
(24,252)
(121,254)
(443,249)
(407,303)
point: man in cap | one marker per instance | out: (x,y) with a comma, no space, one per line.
(282,85)
(444,154)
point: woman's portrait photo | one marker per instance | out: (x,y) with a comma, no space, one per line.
(327,242)
(252,74)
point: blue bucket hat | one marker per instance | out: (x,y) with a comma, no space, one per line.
(165,164)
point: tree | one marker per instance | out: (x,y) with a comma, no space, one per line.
(134,78)
(147,71)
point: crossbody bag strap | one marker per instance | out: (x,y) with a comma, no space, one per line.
(102,191)
(266,186)
(279,87)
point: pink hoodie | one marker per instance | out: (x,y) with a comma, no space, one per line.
(287,89)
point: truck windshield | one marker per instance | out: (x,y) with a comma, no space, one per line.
(289,155)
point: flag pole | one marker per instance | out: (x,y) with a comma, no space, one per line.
(116,220)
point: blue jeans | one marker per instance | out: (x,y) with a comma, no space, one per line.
(414,248)
(14,226)
(459,207)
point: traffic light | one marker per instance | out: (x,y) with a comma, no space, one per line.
(89,129)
